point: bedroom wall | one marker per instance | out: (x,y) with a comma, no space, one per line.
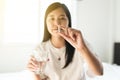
(1,17)
(97,19)
(117,19)
(14,57)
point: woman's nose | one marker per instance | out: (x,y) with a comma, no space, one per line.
(57,22)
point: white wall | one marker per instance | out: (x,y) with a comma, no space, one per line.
(14,57)
(1,17)
(96,21)
(117,19)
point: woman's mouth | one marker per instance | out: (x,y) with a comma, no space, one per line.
(55,30)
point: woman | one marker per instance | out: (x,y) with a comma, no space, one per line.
(68,52)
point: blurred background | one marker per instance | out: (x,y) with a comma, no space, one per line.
(21,28)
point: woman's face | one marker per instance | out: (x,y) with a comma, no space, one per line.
(56,18)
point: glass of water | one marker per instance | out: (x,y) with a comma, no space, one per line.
(41,57)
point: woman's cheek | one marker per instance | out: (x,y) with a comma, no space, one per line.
(49,29)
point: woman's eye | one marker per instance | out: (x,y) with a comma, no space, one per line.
(62,18)
(51,18)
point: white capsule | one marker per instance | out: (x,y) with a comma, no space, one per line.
(59,29)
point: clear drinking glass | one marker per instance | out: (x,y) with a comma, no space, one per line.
(41,58)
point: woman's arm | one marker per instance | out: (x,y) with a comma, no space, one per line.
(36,77)
(94,65)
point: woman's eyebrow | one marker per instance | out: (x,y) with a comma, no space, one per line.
(62,15)
(50,15)
(53,15)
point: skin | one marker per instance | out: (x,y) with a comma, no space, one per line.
(55,19)
(58,18)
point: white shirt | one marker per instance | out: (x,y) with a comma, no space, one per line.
(54,67)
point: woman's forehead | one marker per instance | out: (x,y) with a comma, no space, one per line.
(58,11)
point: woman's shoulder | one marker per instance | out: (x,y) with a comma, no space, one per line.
(43,45)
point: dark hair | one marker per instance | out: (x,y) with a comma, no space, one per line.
(69,48)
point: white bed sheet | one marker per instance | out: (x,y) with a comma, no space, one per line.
(111,72)
(21,75)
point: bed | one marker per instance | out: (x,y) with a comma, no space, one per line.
(111,72)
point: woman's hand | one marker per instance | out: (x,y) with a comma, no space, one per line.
(32,64)
(73,36)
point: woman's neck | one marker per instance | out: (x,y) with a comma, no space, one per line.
(58,42)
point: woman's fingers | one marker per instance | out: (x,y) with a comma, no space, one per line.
(67,33)
(31,68)
(67,37)
(73,36)
(63,30)
(33,61)
(32,64)
(72,33)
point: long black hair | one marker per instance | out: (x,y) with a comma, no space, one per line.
(69,48)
